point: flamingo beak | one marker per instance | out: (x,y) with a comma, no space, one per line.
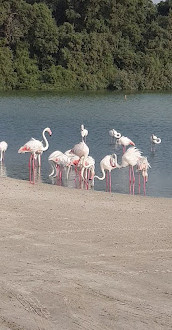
(50,133)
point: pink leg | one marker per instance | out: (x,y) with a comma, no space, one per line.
(130,179)
(33,169)
(30,159)
(133,179)
(106,181)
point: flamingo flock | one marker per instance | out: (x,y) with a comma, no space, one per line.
(78,159)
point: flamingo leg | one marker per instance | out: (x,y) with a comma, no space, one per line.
(139,182)
(30,159)
(106,181)
(33,168)
(133,179)
(130,179)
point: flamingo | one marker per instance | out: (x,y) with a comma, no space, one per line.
(52,160)
(154,140)
(130,158)
(81,150)
(3,148)
(84,133)
(143,166)
(36,148)
(87,169)
(114,134)
(107,164)
(125,142)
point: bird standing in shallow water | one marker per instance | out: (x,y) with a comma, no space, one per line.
(125,142)
(36,148)
(107,164)
(130,158)
(3,148)
(154,140)
(84,133)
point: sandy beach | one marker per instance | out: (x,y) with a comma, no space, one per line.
(83,260)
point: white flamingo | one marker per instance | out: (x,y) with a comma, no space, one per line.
(87,169)
(130,158)
(3,148)
(84,133)
(107,164)
(52,161)
(81,150)
(154,140)
(114,134)
(36,148)
(125,142)
(142,167)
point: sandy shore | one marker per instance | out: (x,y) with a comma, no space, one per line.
(83,260)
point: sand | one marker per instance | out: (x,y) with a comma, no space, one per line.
(83,260)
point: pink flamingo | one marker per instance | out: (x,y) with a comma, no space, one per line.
(81,150)
(130,158)
(142,167)
(87,170)
(36,148)
(107,164)
(125,142)
(3,148)
(84,133)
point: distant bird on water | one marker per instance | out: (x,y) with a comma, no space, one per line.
(84,133)
(154,140)
(3,148)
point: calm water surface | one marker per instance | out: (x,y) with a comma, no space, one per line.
(25,115)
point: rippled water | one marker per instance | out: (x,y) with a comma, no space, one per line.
(24,115)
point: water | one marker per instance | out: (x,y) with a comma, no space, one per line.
(24,115)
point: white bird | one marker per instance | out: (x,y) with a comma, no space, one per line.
(36,148)
(81,150)
(107,164)
(154,140)
(84,133)
(142,167)
(87,169)
(59,161)
(125,142)
(3,148)
(130,158)
(114,134)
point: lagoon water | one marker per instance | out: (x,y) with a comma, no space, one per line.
(25,114)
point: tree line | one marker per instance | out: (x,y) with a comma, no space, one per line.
(85,44)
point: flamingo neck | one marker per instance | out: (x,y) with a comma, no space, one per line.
(45,140)
(103,177)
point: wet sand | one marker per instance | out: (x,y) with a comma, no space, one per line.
(83,260)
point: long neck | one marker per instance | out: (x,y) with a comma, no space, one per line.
(103,177)
(45,140)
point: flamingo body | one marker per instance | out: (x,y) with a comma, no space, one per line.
(3,148)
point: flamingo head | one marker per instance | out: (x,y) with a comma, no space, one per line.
(48,130)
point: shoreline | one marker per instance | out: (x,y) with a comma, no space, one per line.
(78,259)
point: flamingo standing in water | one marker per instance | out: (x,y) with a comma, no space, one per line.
(154,140)
(59,160)
(84,133)
(36,148)
(142,167)
(3,148)
(130,158)
(81,150)
(114,135)
(107,164)
(125,142)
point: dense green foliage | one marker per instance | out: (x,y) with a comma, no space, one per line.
(85,44)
